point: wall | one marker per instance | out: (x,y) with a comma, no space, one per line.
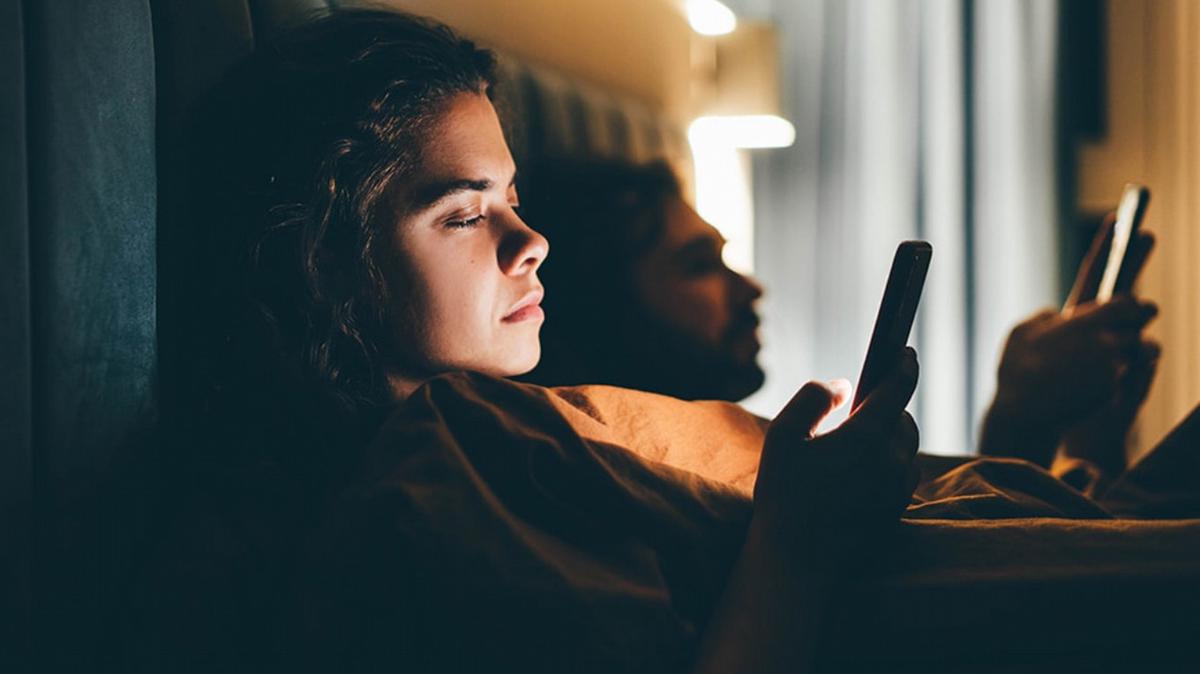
(640,47)
(1154,137)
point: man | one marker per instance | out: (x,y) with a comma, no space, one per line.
(637,293)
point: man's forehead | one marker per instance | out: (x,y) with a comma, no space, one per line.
(684,226)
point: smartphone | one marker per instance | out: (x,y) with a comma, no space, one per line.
(896,313)
(1118,278)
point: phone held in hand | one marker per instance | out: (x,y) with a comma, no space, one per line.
(1118,277)
(896,314)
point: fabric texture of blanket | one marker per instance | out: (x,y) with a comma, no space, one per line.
(499,526)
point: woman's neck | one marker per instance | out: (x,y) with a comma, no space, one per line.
(403,386)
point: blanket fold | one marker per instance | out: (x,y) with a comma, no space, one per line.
(506,527)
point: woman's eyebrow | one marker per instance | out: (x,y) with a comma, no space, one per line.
(436,191)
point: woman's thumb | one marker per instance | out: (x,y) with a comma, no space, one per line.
(812,403)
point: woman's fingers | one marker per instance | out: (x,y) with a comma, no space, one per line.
(909,436)
(878,413)
(912,481)
(905,441)
(812,403)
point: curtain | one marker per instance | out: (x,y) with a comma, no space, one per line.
(931,119)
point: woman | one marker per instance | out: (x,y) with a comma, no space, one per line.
(363,226)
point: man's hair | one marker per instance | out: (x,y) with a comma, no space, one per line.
(602,216)
(298,154)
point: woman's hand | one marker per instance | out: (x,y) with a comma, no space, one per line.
(818,499)
(834,492)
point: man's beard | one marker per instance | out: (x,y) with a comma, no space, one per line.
(666,360)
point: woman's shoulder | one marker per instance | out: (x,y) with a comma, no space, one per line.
(717,440)
(511,505)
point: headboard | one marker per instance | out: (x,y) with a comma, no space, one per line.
(89,254)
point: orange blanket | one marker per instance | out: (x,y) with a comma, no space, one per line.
(506,527)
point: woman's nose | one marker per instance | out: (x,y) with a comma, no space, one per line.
(522,250)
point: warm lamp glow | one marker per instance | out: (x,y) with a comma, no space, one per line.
(742,131)
(723,189)
(709,17)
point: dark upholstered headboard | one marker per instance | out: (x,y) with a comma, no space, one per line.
(77,327)
(90,116)
(549,115)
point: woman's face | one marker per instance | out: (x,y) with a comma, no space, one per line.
(463,266)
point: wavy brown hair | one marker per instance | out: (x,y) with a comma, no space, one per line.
(297,154)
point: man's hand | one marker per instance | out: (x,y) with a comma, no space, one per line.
(1091,270)
(1078,374)
(1057,370)
(1101,437)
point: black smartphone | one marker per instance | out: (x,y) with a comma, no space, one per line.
(896,313)
(1118,276)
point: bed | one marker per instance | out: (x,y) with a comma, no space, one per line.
(91,256)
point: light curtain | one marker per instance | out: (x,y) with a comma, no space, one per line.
(930,119)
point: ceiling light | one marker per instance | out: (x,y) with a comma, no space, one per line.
(742,131)
(709,17)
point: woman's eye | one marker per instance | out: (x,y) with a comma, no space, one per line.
(465,223)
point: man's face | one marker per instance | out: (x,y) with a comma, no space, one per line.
(462,264)
(685,287)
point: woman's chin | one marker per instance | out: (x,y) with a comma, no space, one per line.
(530,360)
(520,361)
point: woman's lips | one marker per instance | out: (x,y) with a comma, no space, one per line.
(529,313)
(527,309)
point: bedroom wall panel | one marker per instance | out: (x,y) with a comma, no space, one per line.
(16,413)
(1153,136)
(638,47)
(91,197)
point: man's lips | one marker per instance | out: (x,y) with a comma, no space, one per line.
(527,309)
(742,337)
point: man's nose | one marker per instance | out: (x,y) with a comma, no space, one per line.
(749,289)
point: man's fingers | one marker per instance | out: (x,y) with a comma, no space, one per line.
(884,404)
(1035,322)
(812,403)
(1142,245)
(1140,374)
(1091,270)
(1122,342)
(1150,352)
(1139,251)
(1122,311)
